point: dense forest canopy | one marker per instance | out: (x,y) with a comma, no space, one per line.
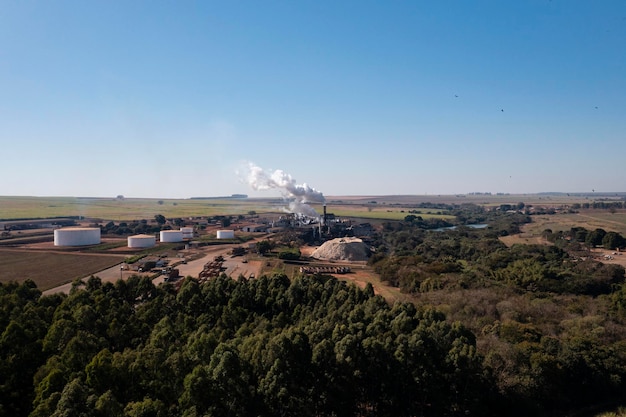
(525,330)
(312,346)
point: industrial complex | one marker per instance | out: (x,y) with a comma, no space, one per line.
(200,247)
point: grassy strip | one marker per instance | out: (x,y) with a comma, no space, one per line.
(386,207)
(387,215)
(126,209)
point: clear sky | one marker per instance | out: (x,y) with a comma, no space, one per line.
(172,98)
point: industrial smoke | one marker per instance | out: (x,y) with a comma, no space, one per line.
(300,195)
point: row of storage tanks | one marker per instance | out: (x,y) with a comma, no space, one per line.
(83,236)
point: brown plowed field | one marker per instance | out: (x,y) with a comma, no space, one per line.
(49,269)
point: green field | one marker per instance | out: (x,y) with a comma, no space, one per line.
(381,212)
(12,208)
(127,209)
(547,199)
(366,207)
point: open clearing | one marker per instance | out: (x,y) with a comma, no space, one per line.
(12,208)
(143,208)
(589,219)
(393,207)
(360,274)
(49,269)
(128,209)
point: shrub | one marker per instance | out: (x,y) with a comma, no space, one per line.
(289,254)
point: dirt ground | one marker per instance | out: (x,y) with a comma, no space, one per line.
(599,254)
(252,266)
(197,259)
(609,257)
(361,274)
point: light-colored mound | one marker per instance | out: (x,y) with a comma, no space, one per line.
(343,249)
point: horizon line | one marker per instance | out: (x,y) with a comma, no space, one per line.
(245,196)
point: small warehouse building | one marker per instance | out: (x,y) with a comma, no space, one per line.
(187,232)
(255,228)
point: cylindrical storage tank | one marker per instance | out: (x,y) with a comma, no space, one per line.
(225,234)
(187,232)
(77,236)
(141,241)
(171,236)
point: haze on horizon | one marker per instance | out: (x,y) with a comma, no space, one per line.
(169,100)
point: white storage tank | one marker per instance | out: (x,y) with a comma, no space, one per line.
(77,236)
(225,234)
(141,241)
(171,236)
(187,232)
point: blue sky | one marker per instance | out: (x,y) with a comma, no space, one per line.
(172,99)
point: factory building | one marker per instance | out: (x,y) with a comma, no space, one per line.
(187,232)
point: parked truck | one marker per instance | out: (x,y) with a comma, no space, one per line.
(172,275)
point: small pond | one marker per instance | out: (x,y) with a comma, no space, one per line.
(472,226)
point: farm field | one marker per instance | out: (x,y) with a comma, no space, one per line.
(544,199)
(12,208)
(127,209)
(372,207)
(589,219)
(49,269)
(381,212)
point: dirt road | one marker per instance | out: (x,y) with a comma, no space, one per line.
(234,267)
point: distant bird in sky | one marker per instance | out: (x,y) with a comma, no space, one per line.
(501,109)
(455,95)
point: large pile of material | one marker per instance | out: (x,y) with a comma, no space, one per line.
(343,249)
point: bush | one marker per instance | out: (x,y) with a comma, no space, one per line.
(289,254)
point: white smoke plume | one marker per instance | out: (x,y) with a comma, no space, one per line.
(299,194)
